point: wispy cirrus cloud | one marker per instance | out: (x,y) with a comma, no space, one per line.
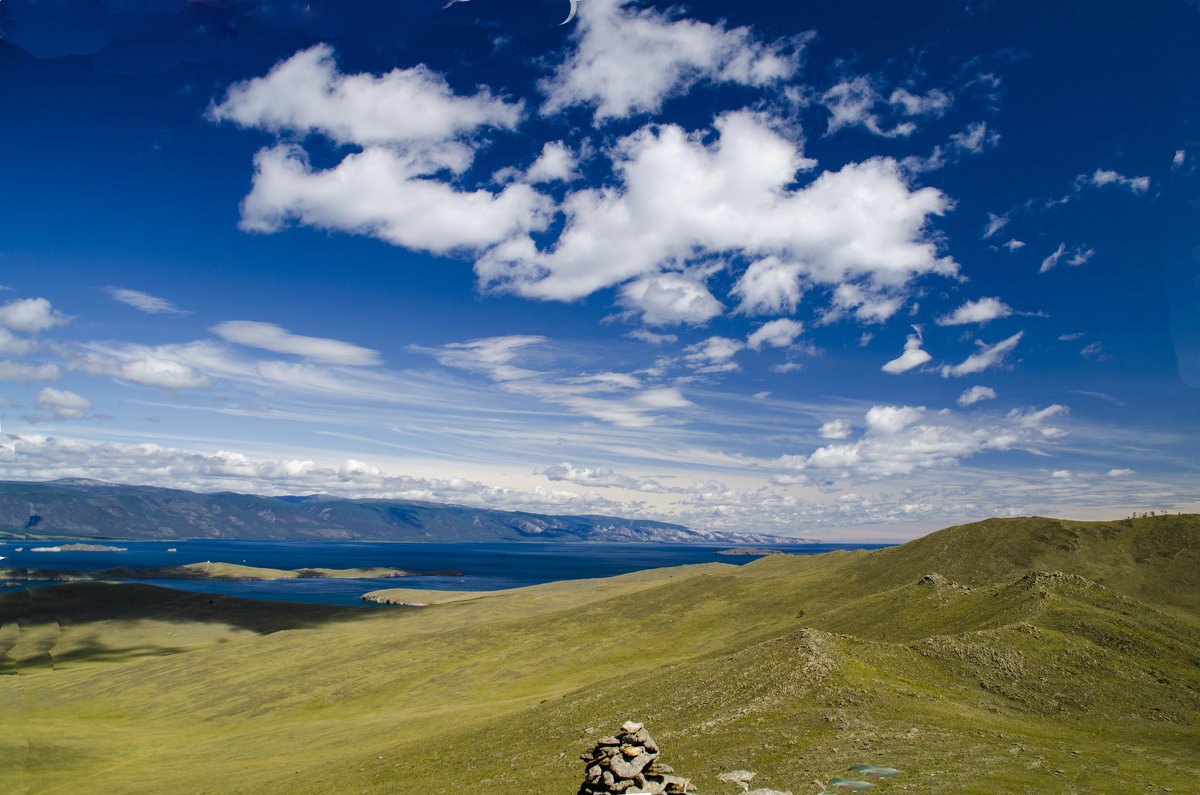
(271,337)
(150,304)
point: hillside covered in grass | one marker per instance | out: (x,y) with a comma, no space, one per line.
(1003,656)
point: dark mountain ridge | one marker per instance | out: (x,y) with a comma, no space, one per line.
(89,509)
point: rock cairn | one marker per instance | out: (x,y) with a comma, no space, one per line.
(627,764)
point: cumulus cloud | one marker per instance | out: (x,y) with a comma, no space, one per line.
(769,286)
(912,357)
(307,93)
(900,440)
(682,199)
(981,311)
(602,477)
(412,129)
(150,304)
(713,355)
(669,299)
(778,333)
(63,404)
(385,194)
(42,457)
(1052,260)
(556,163)
(1119,473)
(13,345)
(31,315)
(1178,160)
(835,429)
(1014,244)
(270,337)
(975,394)
(988,356)
(22,373)
(628,60)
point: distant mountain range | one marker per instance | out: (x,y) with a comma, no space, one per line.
(92,509)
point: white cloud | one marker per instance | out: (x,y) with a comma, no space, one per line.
(389,195)
(1119,473)
(619,398)
(270,337)
(769,286)
(602,477)
(1014,244)
(31,315)
(886,420)
(988,356)
(1103,177)
(306,93)
(1081,256)
(994,224)
(835,429)
(1052,260)
(1178,160)
(900,440)
(975,394)
(163,366)
(63,404)
(713,355)
(651,337)
(669,299)
(147,303)
(975,139)
(629,60)
(13,345)
(934,103)
(683,200)
(1078,256)
(912,357)
(778,333)
(40,457)
(851,104)
(981,311)
(21,373)
(1062,474)
(556,163)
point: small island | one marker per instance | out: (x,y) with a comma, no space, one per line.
(755,551)
(213,571)
(80,548)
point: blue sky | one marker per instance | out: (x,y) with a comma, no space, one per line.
(836,270)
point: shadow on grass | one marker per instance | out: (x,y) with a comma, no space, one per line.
(76,605)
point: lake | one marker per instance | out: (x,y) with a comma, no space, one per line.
(485,566)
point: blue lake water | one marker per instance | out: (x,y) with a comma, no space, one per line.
(485,566)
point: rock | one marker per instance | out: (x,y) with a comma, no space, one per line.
(623,769)
(737,777)
(627,764)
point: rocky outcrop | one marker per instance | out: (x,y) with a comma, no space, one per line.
(628,763)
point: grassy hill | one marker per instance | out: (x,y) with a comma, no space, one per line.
(1003,656)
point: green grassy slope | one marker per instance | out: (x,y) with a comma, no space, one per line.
(794,667)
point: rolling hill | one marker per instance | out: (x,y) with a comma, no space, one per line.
(1003,656)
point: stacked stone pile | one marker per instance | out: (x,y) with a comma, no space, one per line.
(627,764)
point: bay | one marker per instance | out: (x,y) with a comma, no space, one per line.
(484,566)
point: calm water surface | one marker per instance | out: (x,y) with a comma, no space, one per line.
(485,566)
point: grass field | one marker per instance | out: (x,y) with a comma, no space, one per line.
(1017,655)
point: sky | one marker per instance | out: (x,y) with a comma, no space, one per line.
(849,271)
